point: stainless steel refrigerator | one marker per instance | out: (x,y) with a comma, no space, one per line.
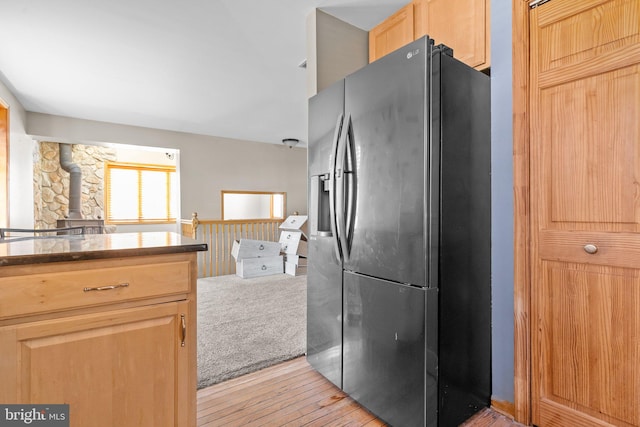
(398,300)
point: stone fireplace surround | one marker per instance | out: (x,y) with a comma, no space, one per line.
(51,182)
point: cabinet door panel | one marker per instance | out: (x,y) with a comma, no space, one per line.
(585,213)
(461,25)
(393,33)
(114,368)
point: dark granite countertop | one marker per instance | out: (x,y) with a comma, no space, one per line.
(37,250)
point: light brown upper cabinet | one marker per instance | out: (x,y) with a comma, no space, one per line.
(461,25)
(392,33)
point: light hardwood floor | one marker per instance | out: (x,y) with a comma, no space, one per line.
(293,394)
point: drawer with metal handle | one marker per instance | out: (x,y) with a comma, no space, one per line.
(249,248)
(292,243)
(46,290)
(255,267)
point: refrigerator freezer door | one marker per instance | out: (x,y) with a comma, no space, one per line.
(390,124)
(384,349)
(324,309)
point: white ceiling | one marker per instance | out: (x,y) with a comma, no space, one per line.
(214,67)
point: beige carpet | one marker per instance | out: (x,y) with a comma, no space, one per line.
(248,324)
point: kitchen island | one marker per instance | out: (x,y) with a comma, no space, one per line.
(105,323)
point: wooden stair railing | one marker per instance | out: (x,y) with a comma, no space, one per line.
(219,236)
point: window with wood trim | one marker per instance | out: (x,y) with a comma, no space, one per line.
(139,193)
(253,204)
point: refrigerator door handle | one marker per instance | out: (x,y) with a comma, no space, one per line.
(332,186)
(340,177)
(350,177)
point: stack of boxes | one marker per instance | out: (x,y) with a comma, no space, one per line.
(257,258)
(293,241)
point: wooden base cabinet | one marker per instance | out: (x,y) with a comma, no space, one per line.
(131,363)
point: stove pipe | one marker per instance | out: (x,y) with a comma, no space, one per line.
(75,181)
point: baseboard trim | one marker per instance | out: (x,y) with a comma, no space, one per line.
(505,408)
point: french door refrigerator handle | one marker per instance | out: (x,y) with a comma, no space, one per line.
(350,177)
(340,186)
(332,186)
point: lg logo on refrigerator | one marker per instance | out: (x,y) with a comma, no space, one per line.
(413,53)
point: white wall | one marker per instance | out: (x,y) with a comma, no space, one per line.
(335,49)
(502,202)
(21,151)
(207,164)
(127,154)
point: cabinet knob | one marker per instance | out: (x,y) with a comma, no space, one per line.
(590,248)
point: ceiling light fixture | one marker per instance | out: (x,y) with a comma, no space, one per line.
(290,142)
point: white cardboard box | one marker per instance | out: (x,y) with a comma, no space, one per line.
(292,242)
(256,267)
(296,223)
(249,248)
(294,270)
(295,259)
